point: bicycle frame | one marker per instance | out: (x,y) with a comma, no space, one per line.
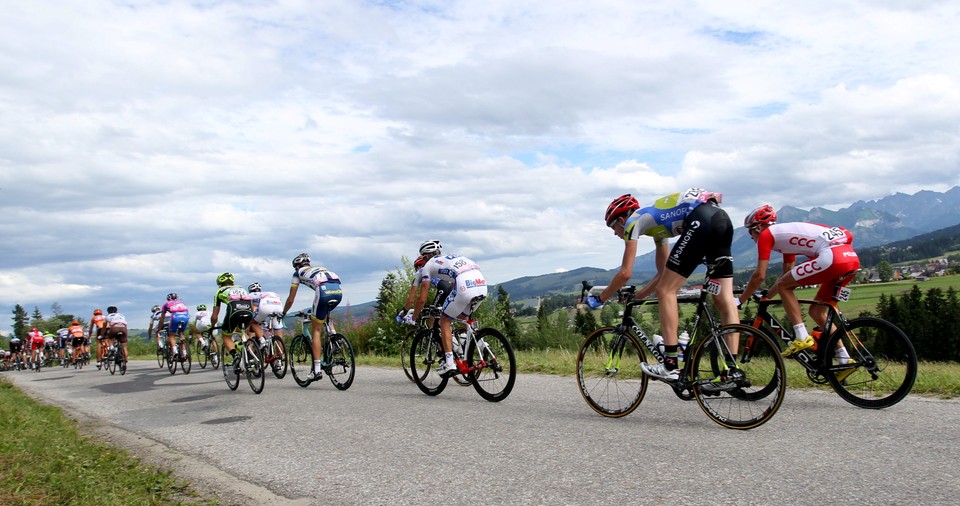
(472,326)
(815,362)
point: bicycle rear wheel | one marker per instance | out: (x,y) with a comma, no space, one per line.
(161,357)
(609,374)
(230,372)
(425,356)
(201,356)
(112,364)
(214,353)
(405,353)
(171,359)
(752,393)
(494,381)
(883,367)
(187,363)
(254,366)
(301,360)
(278,362)
(341,364)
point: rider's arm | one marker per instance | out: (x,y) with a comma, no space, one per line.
(421,298)
(662,252)
(626,270)
(290,298)
(756,279)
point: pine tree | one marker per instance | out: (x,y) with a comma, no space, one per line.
(20,322)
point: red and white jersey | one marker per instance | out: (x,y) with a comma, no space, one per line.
(36,337)
(807,239)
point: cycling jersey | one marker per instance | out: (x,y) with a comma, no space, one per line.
(469,285)
(664,219)
(265,304)
(64,336)
(201,320)
(179,315)
(15,345)
(829,251)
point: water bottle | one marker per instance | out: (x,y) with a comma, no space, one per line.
(682,341)
(458,339)
(658,343)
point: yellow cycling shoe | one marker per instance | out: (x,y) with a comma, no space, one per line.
(842,375)
(797,345)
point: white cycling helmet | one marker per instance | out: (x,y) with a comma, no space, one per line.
(430,247)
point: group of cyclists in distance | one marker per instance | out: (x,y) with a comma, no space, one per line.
(695,217)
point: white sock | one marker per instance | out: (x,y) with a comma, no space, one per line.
(842,354)
(448,356)
(800,331)
(317,367)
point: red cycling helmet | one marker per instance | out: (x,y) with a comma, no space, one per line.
(621,205)
(763,215)
(420,262)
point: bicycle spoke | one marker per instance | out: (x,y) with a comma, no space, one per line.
(609,374)
(882,366)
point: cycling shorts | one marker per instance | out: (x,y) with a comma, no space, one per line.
(328,296)
(16,347)
(264,310)
(179,322)
(117,331)
(36,345)
(706,238)
(828,270)
(77,342)
(468,292)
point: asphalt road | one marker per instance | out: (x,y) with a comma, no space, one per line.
(382,441)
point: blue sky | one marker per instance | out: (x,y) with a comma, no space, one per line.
(148,146)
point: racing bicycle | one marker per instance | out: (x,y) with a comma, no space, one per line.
(486,360)
(338,360)
(248,361)
(210,352)
(747,395)
(883,363)
(273,349)
(459,341)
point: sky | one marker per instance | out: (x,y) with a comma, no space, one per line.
(148,146)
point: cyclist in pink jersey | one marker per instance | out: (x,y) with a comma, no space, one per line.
(830,262)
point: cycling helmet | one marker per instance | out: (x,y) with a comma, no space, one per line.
(155,308)
(225,279)
(301,260)
(202,307)
(172,296)
(420,262)
(763,215)
(429,247)
(624,204)
(33,329)
(75,322)
(97,312)
(112,309)
(254,287)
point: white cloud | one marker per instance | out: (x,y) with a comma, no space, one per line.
(148,146)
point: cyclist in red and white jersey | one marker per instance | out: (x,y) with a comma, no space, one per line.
(35,337)
(830,259)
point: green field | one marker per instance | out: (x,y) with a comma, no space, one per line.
(865,297)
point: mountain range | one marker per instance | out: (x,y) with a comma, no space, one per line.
(873,223)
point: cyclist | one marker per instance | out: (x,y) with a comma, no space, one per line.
(239,312)
(115,329)
(327,295)
(155,320)
(179,319)
(50,346)
(63,336)
(79,339)
(36,345)
(16,348)
(96,331)
(201,323)
(265,304)
(830,260)
(467,292)
(705,232)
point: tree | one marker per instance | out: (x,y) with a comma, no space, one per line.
(504,315)
(885,271)
(386,296)
(20,322)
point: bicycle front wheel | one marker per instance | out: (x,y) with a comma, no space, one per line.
(231,374)
(161,356)
(609,374)
(112,364)
(253,367)
(425,356)
(748,395)
(278,356)
(493,354)
(405,353)
(201,356)
(882,366)
(301,360)
(340,361)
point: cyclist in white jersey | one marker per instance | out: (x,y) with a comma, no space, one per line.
(327,295)
(468,292)
(155,322)
(115,329)
(406,315)
(201,323)
(264,305)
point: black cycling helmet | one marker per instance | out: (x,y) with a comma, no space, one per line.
(172,296)
(112,309)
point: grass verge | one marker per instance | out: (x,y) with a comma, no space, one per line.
(44,459)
